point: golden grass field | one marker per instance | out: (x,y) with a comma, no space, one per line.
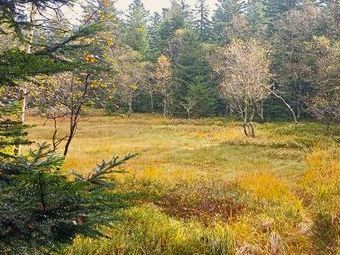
(206,146)
(202,187)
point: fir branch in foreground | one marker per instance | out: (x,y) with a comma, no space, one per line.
(98,174)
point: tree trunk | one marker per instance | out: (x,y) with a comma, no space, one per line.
(130,102)
(286,104)
(73,127)
(261,112)
(151,102)
(165,107)
(23,91)
(76,111)
(67,146)
(32,16)
(245,114)
(189,114)
(23,99)
(249,129)
(252,115)
(130,110)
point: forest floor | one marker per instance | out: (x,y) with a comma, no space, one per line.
(204,188)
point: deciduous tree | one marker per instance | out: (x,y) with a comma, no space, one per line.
(163,81)
(325,103)
(244,71)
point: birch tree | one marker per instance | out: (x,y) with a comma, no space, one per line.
(243,68)
(163,76)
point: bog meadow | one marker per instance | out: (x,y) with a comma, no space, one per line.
(207,127)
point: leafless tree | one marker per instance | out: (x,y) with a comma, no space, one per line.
(244,71)
(189,105)
(63,95)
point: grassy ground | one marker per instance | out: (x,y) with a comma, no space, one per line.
(207,146)
(204,188)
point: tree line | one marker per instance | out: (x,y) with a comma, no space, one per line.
(263,60)
(257,60)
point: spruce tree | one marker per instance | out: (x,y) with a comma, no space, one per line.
(155,37)
(188,13)
(203,24)
(225,12)
(12,131)
(173,19)
(192,73)
(275,9)
(257,18)
(136,28)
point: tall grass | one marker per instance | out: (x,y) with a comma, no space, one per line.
(201,187)
(145,230)
(321,192)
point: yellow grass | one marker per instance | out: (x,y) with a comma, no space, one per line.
(176,145)
(204,188)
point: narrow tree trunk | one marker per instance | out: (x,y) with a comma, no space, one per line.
(130,110)
(130,102)
(54,136)
(151,102)
(68,143)
(252,129)
(248,115)
(23,91)
(23,99)
(252,115)
(245,129)
(189,115)
(76,111)
(32,16)
(286,104)
(245,112)
(165,107)
(261,112)
(73,127)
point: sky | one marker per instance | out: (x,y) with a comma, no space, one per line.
(74,14)
(157,5)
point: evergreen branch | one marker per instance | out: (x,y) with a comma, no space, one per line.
(97,175)
(42,159)
(106,168)
(84,31)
